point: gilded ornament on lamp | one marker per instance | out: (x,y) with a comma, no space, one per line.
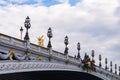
(41,41)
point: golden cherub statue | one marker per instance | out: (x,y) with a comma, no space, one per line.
(41,41)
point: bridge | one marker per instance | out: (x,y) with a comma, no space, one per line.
(22,60)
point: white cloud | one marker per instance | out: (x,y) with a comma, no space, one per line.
(90,22)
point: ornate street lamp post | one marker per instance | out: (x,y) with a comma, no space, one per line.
(100,58)
(106,63)
(93,55)
(66,42)
(111,66)
(27,26)
(49,46)
(26,38)
(119,70)
(21,30)
(78,48)
(50,35)
(115,68)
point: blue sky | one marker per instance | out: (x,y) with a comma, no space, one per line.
(93,23)
(47,3)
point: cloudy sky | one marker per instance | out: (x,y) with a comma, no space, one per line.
(93,23)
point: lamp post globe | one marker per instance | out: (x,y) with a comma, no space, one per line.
(27,23)
(50,35)
(78,46)
(27,26)
(66,41)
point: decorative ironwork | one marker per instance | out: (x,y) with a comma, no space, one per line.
(100,58)
(50,35)
(27,26)
(105,63)
(115,68)
(66,43)
(21,31)
(111,66)
(78,48)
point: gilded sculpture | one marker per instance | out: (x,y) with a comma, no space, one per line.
(41,41)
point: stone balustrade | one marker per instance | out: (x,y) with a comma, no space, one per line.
(73,64)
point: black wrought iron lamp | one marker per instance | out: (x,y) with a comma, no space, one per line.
(111,66)
(93,54)
(50,35)
(27,26)
(66,42)
(106,63)
(119,70)
(100,58)
(78,48)
(115,68)
(21,31)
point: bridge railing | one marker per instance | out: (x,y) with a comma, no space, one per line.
(107,73)
(58,54)
(11,40)
(4,38)
(20,43)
